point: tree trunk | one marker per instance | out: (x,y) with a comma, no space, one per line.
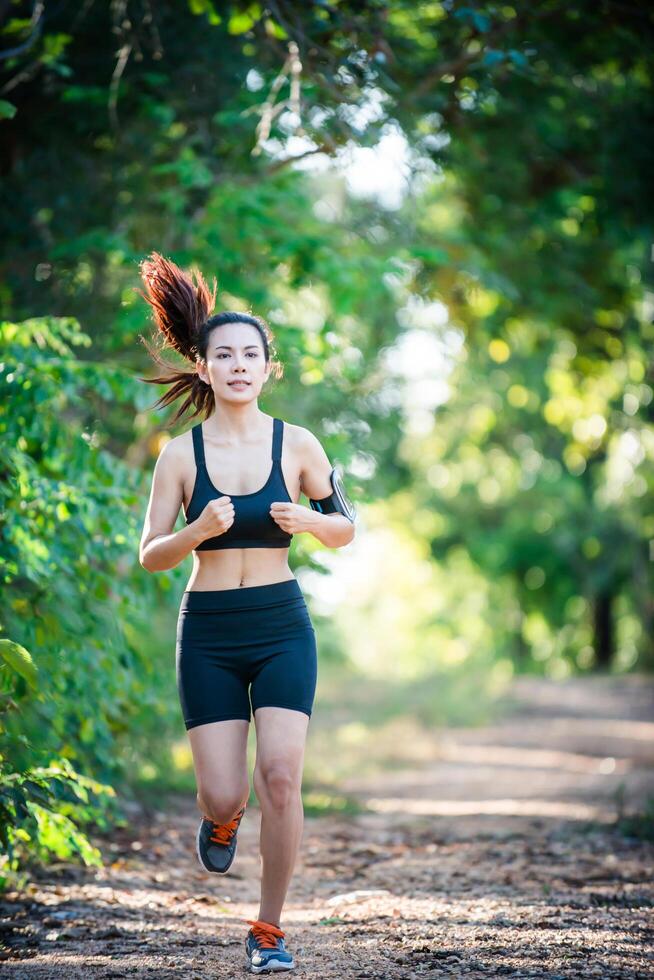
(604,632)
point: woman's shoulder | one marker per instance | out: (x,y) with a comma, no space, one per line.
(298,436)
(306,445)
(177,449)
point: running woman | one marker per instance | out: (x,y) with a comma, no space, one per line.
(244,634)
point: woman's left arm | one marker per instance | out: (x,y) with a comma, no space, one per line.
(332,530)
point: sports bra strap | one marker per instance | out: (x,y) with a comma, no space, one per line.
(198,445)
(278,433)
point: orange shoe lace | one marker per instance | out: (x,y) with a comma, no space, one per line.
(265,933)
(223,833)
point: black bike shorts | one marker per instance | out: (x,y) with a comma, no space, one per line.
(234,645)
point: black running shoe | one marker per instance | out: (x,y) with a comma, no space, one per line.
(215,843)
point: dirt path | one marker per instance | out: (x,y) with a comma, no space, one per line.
(493,855)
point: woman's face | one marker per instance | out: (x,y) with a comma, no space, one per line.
(235,353)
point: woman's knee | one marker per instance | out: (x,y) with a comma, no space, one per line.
(221,804)
(277,783)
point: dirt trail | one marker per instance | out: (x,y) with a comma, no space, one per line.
(494,855)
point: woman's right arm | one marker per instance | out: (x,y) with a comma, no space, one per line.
(162,548)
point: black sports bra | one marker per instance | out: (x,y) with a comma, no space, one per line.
(253,526)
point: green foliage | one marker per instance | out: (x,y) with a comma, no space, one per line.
(18,659)
(41,812)
(72,676)
(41,808)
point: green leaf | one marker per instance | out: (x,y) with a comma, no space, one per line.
(240,23)
(20,660)
(7,109)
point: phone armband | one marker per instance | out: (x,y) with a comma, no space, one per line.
(337,501)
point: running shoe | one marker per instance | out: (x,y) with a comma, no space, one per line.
(215,843)
(264,946)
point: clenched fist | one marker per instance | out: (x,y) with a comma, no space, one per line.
(293,518)
(216,518)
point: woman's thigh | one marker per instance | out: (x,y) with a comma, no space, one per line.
(212,682)
(281,740)
(220,756)
(286,675)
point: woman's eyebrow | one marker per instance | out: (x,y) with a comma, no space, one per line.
(227,347)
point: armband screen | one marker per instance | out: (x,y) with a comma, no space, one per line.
(337,501)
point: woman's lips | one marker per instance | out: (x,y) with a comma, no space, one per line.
(238,384)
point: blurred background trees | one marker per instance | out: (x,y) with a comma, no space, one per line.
(445,213)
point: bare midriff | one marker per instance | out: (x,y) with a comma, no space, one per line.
(234,568)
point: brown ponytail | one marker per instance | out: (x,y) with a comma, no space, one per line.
(180,308)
